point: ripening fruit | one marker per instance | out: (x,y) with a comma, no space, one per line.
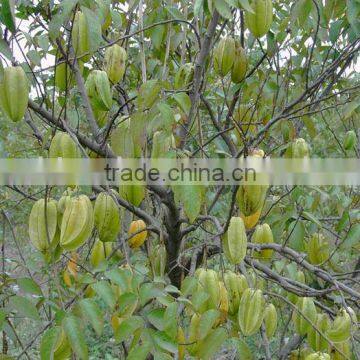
(239,68)
(137,240)
(260,20)
(318,249)
(251,198)
(235,285)
(106,217)
(251,220)
(184,76)
(114,63)
(81,36)
(62,145)
(270,320)
(314,338)
(299,149)
(340,329)
(251,311)
(350,140)
(224,55)
(121,140)
(235,241)
(263,235)
(318,356)
(100,252)
(42,228)
(99,90)
(14,93)
(305,315)
(77,223)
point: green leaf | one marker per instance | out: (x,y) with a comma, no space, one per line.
(91,311)
(139,352)
(5,49)
(75,334)
(128,327)
(211,344)
(296,239)
(59,19)
(223,9)
(198,7)
(104,290)
(244,350)
(29,286)
(149,291)
(2,318)
(207,321)
(94,27)
(312,218)
(167,115)
(183,101)
(353,236)
(175,13)
(48,343)
(191,196)
(156,318)
(162,340)
(7,14)
(24,307)
(127,303)
(188,285)
(121,277)
(353,15)
(300,12)
(244,4)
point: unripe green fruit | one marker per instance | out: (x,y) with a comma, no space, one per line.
(224,55)
(350,140)
(235,285)
(299,149)
(235,241)
(14,93)
(106,217)
(251,311)
(340,329)
(263,235)
(42,229)
(99,91)
(318,249)
(100,252)
(114,63)
(260,20)
(306,315)
(316,340)
(62,145)
(77,223)
(239,68)
(318,356)
(270,320)
(81,37)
